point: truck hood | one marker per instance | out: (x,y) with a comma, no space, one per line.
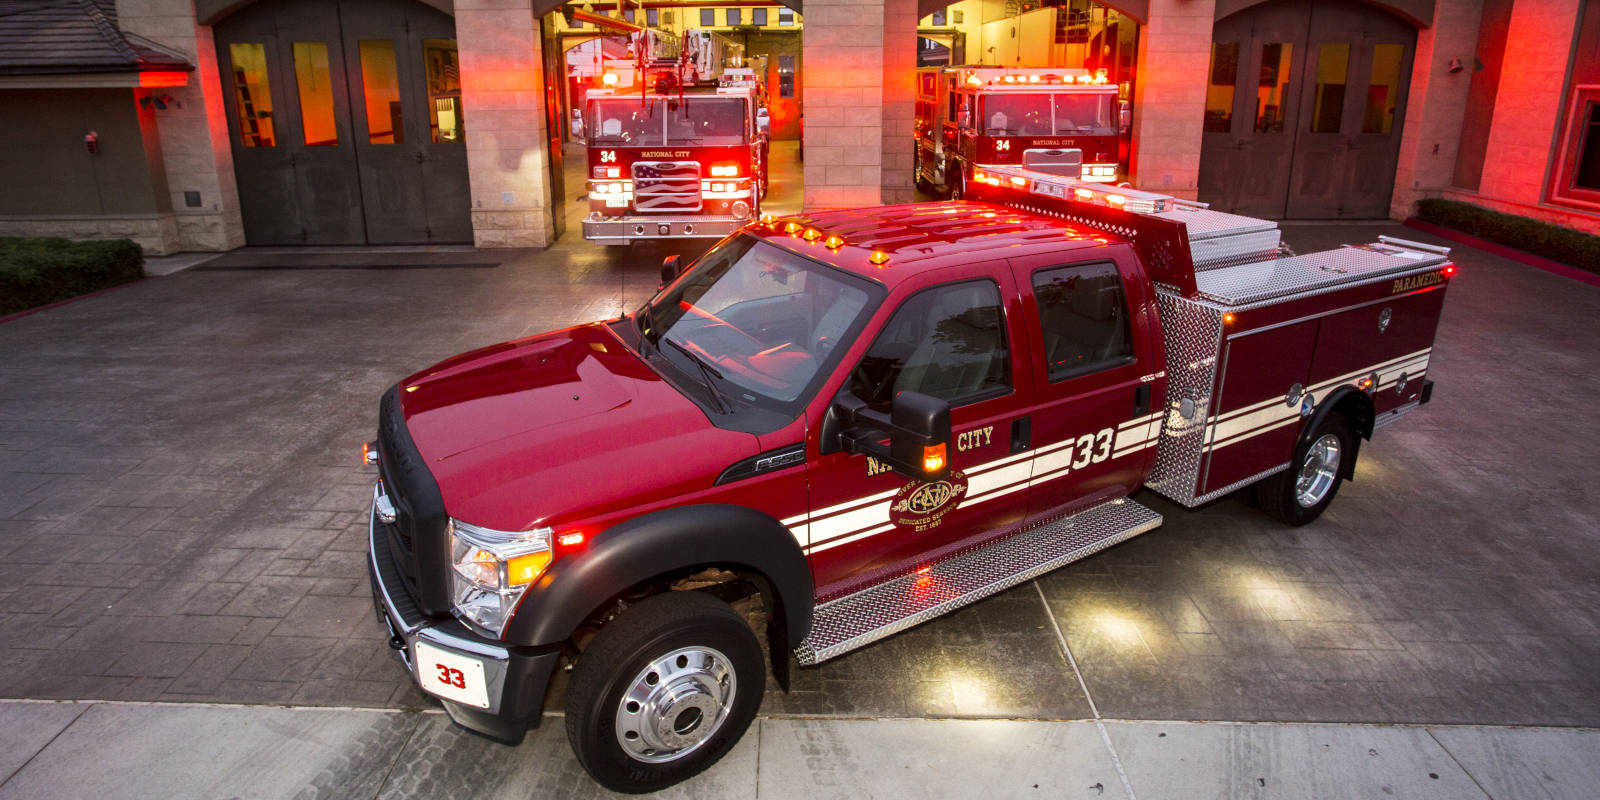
(559,426)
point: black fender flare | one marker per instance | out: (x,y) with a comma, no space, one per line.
(660,543)
(1356,407)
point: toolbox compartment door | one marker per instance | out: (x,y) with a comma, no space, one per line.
(1252,428)
(1393,338)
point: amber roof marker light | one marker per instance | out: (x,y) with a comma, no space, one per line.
(878,258)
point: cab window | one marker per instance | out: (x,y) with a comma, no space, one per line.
(948,342)
(1083,315)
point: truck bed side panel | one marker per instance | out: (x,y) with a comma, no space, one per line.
(1390,338)
(1253,428)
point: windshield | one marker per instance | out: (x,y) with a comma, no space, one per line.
(768,322)
(1055,114)
(668,120)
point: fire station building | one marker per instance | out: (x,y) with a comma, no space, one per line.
(204,125)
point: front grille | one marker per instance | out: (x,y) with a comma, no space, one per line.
(666,186)
(417,537)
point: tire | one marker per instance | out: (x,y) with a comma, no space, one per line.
(1300,493)
(958,184)
(713,669)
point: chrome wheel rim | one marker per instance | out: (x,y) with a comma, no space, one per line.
(675,704)
(1318,472)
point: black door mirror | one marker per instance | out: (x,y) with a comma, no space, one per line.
(918,427)
(669,269)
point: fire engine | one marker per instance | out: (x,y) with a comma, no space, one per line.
(856,421)
(676,148)
(1062,121)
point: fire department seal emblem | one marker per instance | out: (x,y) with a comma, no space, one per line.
(922,505)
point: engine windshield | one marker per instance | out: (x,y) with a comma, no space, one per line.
(769,323)
(1048,114)
(656,121)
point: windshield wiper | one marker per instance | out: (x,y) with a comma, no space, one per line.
(706,371)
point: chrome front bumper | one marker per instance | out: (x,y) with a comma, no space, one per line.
(638,227)
(515,677)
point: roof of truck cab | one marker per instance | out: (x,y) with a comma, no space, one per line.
(921,236)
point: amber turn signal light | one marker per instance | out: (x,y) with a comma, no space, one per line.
(369,453)
(933,457)
(527,569)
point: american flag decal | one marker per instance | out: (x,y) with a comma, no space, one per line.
(666,186)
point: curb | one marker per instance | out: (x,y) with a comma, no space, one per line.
(57,304)
(1501,250)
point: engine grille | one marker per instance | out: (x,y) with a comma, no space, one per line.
(417,537)
(666,186)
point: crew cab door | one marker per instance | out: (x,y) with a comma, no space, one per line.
(952,334)
(1091,326)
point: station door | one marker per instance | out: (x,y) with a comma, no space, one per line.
(345,119)
(1304,107)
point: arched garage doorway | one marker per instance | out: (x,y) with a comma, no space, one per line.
(1304,107)
(346,122)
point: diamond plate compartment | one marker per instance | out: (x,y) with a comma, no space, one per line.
(1331,269)
(887,608)
(1193,330)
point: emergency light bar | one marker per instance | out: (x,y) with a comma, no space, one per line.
(1033,77)
(1079,191)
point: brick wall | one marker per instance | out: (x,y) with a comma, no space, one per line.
(193,132)
(1170,96)
(1523,136)
(842,94)
(502,96)
(1436,106)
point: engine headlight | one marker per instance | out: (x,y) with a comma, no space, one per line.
(490,571)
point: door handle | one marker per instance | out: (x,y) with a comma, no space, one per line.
(1021,434)
(1141,401)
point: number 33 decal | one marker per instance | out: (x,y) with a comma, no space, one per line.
(1093,448)
(451,677)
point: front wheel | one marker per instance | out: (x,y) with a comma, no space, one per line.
(663,691)
(1300,493)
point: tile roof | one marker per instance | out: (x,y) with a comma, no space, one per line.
(45,37)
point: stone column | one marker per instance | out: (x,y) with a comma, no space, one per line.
(1528,105)
(1169,100)
(1436,105)
(195,150)
(899,100)
(842,90)
(502,98)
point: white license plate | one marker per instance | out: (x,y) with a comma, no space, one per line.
(451,675)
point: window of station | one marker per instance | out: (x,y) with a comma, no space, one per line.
(1084,318)
(734,16)
(1219,89)
(1587,174)
(380,87)
(652,17)
(785,18)
(313,79)
(708,17)
(1272,89)
(1383,93)
(1333,68)
(758,16)
(938,18)
(444,89)
(252,94)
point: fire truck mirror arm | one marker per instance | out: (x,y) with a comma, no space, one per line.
(673,540)
(917,425)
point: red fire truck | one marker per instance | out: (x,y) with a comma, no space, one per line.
(855,421)
(1063,121)
(675,151)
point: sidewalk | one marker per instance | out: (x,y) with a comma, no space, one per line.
(137,750)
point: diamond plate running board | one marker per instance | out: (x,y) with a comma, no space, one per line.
(887,608)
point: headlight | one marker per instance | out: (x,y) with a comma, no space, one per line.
(491,569)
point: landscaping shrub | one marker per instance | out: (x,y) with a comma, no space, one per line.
(34,272)
(1554,242)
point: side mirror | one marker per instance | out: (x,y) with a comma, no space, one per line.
(669,269)
(918,427)
(1124,116)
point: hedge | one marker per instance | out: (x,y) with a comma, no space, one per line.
(1576,248)
(34,272)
